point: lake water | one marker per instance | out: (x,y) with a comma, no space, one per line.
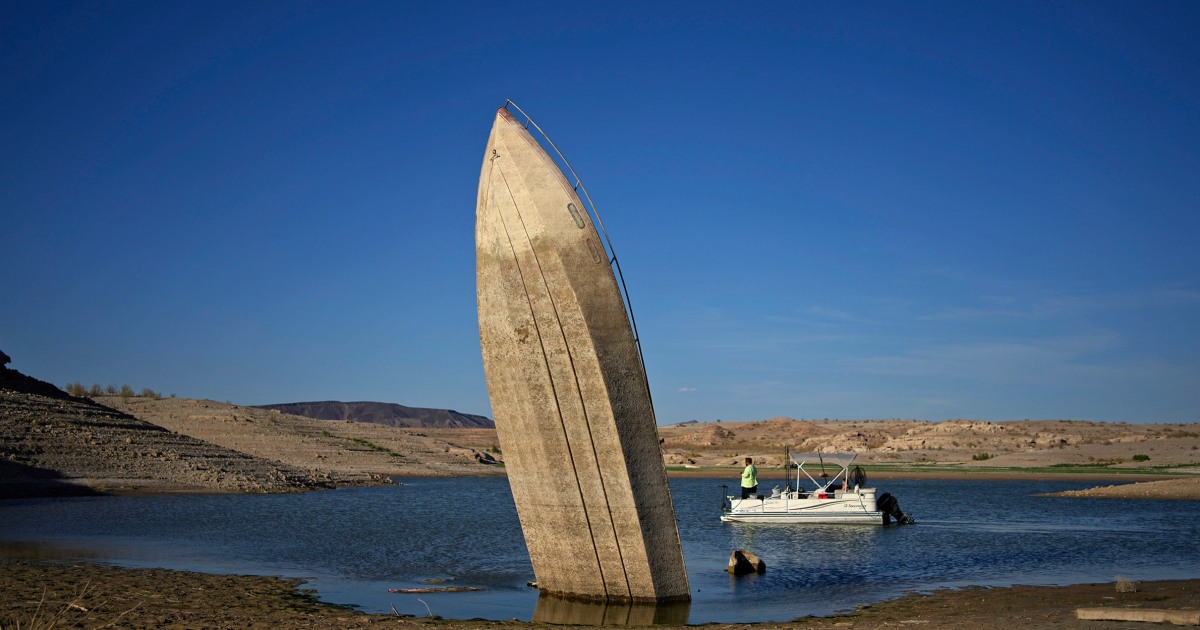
(354,544)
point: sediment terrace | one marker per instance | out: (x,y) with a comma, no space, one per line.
(59,444)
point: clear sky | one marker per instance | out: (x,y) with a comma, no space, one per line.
(928,210)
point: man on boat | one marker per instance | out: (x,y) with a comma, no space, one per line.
(749,479)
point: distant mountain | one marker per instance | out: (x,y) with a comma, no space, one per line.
(389,414)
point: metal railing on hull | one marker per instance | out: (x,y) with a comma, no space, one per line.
(595,214)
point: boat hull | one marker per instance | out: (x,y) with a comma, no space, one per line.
(568,391)
(791,518)
(842,508)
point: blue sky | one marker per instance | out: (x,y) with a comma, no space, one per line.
(822,209)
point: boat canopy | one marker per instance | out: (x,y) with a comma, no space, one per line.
(842,460)
(838,462)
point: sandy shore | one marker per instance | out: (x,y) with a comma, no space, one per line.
(1177,489)
(94,596)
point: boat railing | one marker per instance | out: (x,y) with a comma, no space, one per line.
(590,208)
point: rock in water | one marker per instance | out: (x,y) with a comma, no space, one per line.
(742,562)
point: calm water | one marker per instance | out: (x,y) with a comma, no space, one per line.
(354,544)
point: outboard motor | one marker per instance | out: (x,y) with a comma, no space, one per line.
(891,509)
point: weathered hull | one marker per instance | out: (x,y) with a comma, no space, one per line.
(569,395)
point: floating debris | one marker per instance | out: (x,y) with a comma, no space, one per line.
(435,589)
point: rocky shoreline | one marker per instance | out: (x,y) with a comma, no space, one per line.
(54,444)
(97,596)
(68,446)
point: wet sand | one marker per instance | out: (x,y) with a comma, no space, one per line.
(94,596)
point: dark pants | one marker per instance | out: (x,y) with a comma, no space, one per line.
(746,492)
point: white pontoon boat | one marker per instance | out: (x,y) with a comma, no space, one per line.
(837,499)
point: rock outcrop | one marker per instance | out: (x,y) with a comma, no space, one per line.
(54,444)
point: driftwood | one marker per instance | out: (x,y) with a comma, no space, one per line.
(1151,615)
(435,589)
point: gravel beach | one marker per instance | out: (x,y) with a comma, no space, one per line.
(95,596)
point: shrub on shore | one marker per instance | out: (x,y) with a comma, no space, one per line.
(126,392)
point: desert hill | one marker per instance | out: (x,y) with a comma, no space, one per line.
(957,443)
(339,447)
(387,414)
(52,444)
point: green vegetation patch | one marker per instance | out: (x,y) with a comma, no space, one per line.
(375,447)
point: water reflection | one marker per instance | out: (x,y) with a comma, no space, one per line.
(37,551)
(791,545)
(557,610)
